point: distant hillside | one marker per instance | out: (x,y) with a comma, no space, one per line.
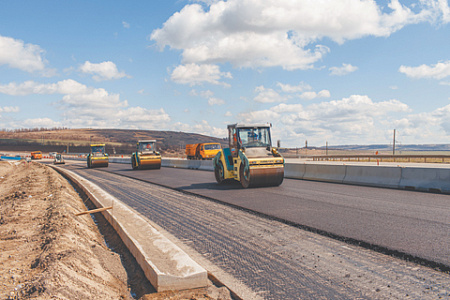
(120,141)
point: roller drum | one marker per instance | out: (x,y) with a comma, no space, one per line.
(258,176)
(99,163)
(149,162)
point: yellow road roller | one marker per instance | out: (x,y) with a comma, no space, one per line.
(250,159)
(97,157)
(146,156)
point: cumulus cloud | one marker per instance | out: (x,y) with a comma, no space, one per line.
(314,95)
(354,118)
(40,122)
(215,101)
(9,109)
(251,33)
(344,70)
(85,106)
(438,71)
(208,94)
(194,74)
(102,71)
(202,127)
(287,88)
(267,95)
(286,92)
(26,57)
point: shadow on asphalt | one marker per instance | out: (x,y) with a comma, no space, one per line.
(234,185)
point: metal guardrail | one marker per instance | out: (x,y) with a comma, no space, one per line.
(394,158)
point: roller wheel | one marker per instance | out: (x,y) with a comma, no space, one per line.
(244,176)
(133,163)
(219,172)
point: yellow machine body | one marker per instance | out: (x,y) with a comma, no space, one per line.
(249,161)
(146,156)
(97,157)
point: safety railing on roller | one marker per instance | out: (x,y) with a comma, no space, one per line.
(385,158)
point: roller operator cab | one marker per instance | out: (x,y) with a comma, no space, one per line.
(250,159)
(97,157)
(146,156)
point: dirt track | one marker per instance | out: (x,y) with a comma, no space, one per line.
(46,252)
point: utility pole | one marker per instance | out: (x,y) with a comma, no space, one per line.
(326,148)
(393,145)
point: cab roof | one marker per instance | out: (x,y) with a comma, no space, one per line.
(147,141)
(242,125)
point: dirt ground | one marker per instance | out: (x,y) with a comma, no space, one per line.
(46,252)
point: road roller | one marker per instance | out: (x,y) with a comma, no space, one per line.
(97,157)
(146,156)
(250,158)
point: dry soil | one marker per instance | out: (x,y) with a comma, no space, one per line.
(46,252)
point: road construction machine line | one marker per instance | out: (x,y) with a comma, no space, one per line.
(250,158)
(146,156)
(97,157)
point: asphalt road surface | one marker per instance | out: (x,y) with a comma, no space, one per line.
(415,225)
(274,259)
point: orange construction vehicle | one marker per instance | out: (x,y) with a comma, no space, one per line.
(36,155)
(202,150)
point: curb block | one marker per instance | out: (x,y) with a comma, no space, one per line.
(166,266)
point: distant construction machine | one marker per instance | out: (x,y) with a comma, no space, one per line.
(36,155)
(250,158)
(146,156)
(58,160)
(202,150)
(98,157)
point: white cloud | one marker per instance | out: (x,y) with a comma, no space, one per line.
(40,122)
(252,33)
(68,86)
(206,94)
(194,74)
(202,127)
(125,25)
(344,70)
(341,121)
(438,71)
(287,88)
(314,95)
(9,109)
(84,106)
(102,71)
(215,101)
(26,57)
(266,95)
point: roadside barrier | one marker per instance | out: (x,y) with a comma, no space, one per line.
(328,173)
(426,179)
(373,176)
(295,171)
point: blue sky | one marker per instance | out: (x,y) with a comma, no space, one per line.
(336,71)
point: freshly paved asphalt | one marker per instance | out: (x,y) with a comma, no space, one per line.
(404,223)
